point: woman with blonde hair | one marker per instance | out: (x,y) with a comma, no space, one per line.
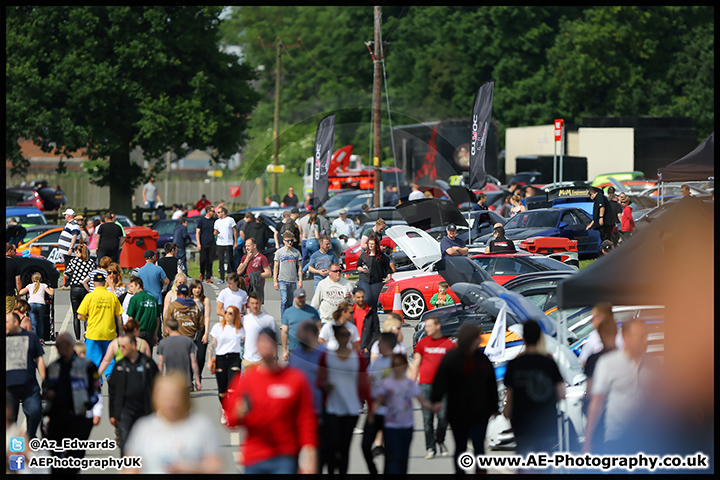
(392,324)
(36,299)
(114,354)
(225,350)
(115,282)
(517,205)
(78,270)
(174,439)
(171,296)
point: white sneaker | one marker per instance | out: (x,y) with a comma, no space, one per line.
(430,453)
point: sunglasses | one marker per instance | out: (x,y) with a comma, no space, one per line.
(335,271)
(287,240)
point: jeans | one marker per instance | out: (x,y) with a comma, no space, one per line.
(433,436)
(226,367)
(182,259)
(225,260)
(304,251)
(149,204)
(370,431)
(372,292)
(462,433)
(207,253)
(312,246)
(124,425)
(339,432)
(29,395)
(397,449)
(280,465)
(77,294)
(37,317)
(201,352)
(286,295)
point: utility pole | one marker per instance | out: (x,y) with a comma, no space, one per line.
(276,120)
(376,109)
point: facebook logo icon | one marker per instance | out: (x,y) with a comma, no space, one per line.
(17,462)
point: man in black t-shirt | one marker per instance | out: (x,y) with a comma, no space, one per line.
(169,264)
(534,386)
(260,232)
(205,236)
(12,277)
(499,244)
(110,239)
(602,214)
(290,200)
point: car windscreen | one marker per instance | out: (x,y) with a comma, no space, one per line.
(357,201)
(166,228)
(551,263)
(543,219)
(339,200)
(30,219)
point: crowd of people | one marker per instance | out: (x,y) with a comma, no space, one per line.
(298,395)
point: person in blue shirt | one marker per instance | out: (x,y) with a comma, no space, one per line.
(451,245)
(320,261)
(291,320)
(153,277)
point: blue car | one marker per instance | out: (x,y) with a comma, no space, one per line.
(166,228)
(566,222)
(25,216)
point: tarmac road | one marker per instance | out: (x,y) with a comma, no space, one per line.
(206,401)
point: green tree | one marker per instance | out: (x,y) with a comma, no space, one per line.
(109,79)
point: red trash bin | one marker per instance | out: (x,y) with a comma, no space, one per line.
(137,241)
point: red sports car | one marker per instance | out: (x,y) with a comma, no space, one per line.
(417,287)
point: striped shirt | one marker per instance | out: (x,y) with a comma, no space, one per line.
(91,284)
(71,228)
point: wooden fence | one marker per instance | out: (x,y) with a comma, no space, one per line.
(91,199)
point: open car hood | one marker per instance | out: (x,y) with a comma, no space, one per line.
(462,269)
(431,212)
(419,247)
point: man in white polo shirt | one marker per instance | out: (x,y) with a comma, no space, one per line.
(620,388)
(226,238)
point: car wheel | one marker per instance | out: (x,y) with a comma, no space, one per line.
(26,276)
(413,304)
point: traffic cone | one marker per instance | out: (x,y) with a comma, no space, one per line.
(397,303)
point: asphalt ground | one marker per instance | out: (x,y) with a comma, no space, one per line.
(206,401)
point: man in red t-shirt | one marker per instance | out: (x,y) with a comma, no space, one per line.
(275,404)
(428,353)
(202,203)
(366,322)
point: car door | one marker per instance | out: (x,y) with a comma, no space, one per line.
(588,240)
(48,247)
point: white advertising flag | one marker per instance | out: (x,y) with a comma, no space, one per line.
(495,349)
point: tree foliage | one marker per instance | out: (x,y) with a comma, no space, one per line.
(108,79)
(547,62)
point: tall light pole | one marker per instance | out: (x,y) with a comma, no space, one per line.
(376,109)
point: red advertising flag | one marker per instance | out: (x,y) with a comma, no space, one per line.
(558,129)
(235,191)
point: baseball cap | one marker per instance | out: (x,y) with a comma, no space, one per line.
(183,288)
(606,245)
(98,277)
(149,253)
(342,210)
(451,226)
(299,292)
(69,211)
(295,210)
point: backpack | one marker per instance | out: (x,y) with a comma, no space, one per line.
(292,227)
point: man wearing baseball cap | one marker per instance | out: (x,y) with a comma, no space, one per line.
(102,311)
(68,237)
(291,320)
(451,245)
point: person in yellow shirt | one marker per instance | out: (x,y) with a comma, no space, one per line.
(102,311)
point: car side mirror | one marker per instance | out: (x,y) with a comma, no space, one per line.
(563,224)
(483,225)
